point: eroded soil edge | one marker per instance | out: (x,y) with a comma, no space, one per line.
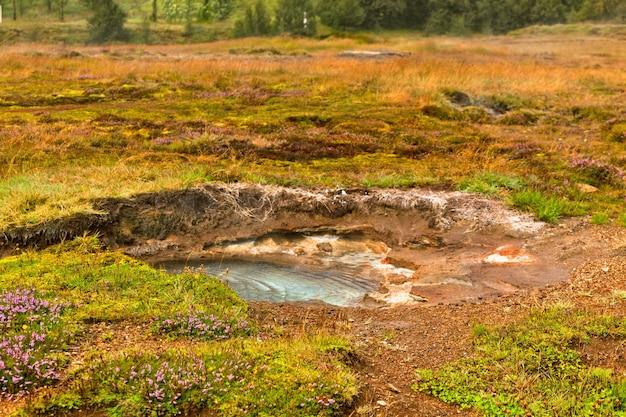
(462,247)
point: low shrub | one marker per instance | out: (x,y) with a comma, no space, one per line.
(598,173)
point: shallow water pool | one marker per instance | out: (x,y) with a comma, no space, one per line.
(263,281)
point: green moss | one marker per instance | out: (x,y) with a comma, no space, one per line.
(440,112)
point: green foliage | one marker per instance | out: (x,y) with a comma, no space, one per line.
(256,21)
(290,16)
(107,22)
(531,367)
(491,183)
(341,14)
(174,10)
(598,10)
(600,218)
(548,209)
(456,17)
(382,13)
(223,9)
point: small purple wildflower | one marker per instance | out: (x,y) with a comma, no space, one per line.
(598,173)
(199,325)
(25,321)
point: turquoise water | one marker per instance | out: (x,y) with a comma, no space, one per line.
(264,281)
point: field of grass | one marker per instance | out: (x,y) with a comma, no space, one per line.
(536,120)
(545,112)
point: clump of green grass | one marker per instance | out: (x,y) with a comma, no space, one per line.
(532,367)
(491,183)
(102,285)
(547,209)
(600,218)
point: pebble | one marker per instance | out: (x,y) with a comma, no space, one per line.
(382,403)
(393,388)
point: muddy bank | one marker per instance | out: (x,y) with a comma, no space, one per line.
(459,246)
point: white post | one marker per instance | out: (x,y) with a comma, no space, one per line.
(0,13)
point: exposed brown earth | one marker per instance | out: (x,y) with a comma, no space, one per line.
(391,343)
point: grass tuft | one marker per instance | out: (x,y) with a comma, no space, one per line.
(547,209)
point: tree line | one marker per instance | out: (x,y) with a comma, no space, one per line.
(302,17)
(434,17)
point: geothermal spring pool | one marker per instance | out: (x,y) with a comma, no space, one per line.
(341,278)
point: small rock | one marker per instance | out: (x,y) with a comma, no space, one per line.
(325,247)
(393,388)
(586,188)
(382,403)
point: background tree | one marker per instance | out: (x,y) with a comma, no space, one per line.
(223,9)
(415,15)
(596,10)
(290,16)
(256,21)
(548,12)
(263,21)
(382,13)
(173,10)
(341,14)
(205,11)
(61,4)
(107,22)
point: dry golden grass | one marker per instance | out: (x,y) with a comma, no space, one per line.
(81,123)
